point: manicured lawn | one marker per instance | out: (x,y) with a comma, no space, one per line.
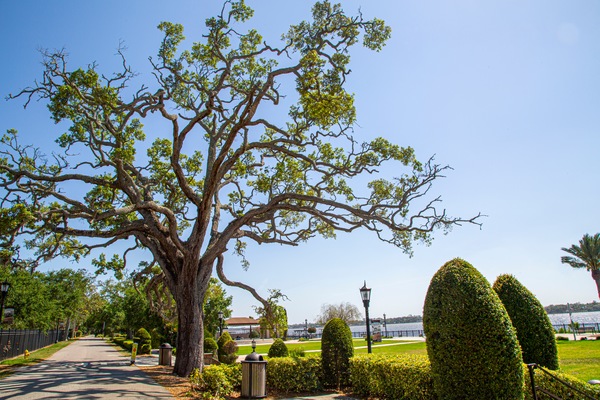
(580,358)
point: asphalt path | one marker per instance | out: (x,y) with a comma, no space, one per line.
(89,368)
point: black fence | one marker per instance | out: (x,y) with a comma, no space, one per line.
(14,342)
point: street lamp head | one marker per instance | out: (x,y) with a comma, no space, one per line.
(220,314)
(365,294)
(4,286)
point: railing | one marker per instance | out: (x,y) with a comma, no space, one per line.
(405,333)
(581,327)
(535,389)
(14,342)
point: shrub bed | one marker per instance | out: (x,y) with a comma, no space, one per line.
(288,374)
(216,381)
(546,382)
(402,376)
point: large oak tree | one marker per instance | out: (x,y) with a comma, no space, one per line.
(228,169)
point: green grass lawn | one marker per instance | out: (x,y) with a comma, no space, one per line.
(578,358)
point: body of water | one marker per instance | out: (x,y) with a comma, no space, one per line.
(556,319)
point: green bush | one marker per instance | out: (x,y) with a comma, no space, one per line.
(287,374)
(216,381)
(224,338)
(297,352)
(278,349)
(127,344)
(542,380)
(394,377)
(336,350)
(144,341)
(471,343)
(254,334)
(228,352)
(534,329)
(210,345)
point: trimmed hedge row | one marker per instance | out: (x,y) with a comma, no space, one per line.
(288,374)
(401,376)
(406,377)
(544,381)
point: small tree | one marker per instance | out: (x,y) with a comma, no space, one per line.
(344,311)
(336,351)
(471,342)
(534,328)
(278,349)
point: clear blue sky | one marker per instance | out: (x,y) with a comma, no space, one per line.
(506,92)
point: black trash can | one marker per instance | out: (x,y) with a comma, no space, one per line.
(254,377)
(164,354)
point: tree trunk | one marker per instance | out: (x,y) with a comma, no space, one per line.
(596,276)
(189,295)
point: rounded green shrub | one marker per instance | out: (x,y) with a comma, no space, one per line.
(145,341)
(224,338)
(210,345)
(278,349)
(534,328)
(336,350)
(228,352)
(471,343)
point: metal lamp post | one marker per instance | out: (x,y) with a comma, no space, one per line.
(365,294)
(220,323)
(385,325)
(4,286)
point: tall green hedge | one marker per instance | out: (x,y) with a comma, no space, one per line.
(336,350)
(471,343)
(534,329)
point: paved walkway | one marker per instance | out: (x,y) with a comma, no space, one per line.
(86,369)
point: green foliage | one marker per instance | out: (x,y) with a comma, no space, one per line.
(224,338)
(254,334)
(210,345)
(471,342)
(534,329)
(215,300)
(227,350)
(278,349)
(546,382)
(215,382)
(400,376)
(297,352)
(336,350)
(287,374)
(145,341)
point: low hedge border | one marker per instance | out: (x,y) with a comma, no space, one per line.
(289,374)
(401,376)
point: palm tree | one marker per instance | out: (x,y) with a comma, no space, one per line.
(586,255)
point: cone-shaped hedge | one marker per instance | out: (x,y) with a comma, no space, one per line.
(534,328)
(278,349)
(471,343)
(336,351)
